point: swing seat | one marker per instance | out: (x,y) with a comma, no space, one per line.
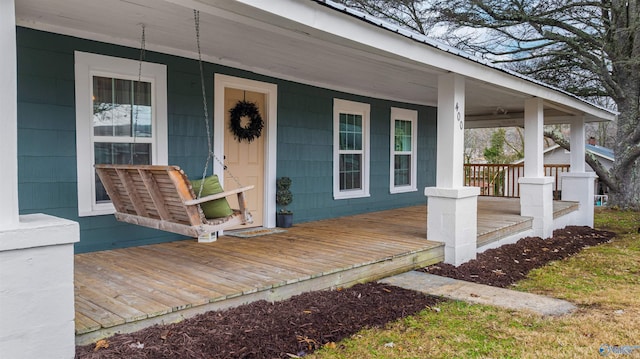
(161,197)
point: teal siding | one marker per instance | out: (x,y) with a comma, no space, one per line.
(47,152)
(305,153)
(46,132)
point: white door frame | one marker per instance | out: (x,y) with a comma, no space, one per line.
(269,132)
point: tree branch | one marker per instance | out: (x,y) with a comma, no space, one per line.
(602,173)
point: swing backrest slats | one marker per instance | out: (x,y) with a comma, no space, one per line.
(151,191)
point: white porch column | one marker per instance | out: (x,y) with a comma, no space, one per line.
(8,116)
(576,155)
(36,288)
(536,190)
(579,185)
(452,213)
(36,251)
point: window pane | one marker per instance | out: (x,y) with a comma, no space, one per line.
(402,170)
(121,109)
(350,132)
(119,153)
(113,109)
(403,135)
(350,171)
(142,109)
(102,106)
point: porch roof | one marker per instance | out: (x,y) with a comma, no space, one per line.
(316,42)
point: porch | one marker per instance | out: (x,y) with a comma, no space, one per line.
(125,290)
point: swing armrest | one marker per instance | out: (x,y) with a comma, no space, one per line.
(217,196)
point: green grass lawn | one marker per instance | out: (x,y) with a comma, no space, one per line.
(603,281)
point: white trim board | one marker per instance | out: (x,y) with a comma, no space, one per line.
(87,64)
(270,132)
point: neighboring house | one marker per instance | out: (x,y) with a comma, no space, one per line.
(362,115)
(557,155)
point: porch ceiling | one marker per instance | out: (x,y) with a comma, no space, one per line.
(306,42)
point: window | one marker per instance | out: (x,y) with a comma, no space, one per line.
(118,120)
(404,130)
(351,149)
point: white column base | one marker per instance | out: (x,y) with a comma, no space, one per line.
(36,288)
(452,218)
(536,200)
(580,187)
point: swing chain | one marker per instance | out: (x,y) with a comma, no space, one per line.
(227,169)
(134,125)
(196,20)
(210,155)
(196,17)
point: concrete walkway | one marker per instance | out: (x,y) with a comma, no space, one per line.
(479,293)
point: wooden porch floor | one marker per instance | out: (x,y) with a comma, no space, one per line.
(128,289)
(499,217)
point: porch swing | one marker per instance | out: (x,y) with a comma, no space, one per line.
(163,198)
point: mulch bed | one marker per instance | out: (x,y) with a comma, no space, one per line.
(501,267)
(295,326)
(301,324)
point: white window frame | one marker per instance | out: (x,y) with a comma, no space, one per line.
(356,108)
(86,66)
(409,116)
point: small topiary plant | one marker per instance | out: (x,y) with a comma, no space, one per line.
(283,194)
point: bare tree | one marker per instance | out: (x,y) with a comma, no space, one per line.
(416,15)
(589,48)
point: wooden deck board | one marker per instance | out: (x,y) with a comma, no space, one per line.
(149,287)
(170,279)
(96,313)
(85,324)
(268,255)
(122,297)
(140,269)
(308,244)
(172,269)
(268,258)
(560,208)
(221,269)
